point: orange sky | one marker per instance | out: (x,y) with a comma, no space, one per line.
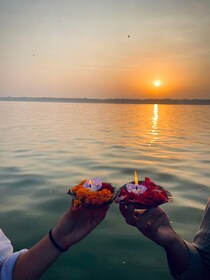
(101,49)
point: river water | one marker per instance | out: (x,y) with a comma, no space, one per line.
(46,148)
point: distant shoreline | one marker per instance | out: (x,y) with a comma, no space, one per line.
(109,101)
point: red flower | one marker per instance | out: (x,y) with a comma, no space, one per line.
(107,186)
(153,196)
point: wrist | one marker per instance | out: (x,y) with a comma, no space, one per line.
(178,256)
(170,239)
(59,238)
(176,242)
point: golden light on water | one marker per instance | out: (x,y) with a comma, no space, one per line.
(155,115)
(154,131)
(157,83)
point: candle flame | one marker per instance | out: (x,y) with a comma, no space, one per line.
(90,183)
(136,179)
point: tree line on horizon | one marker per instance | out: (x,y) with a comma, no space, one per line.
(109,100)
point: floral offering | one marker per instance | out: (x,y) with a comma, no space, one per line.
(92,193)
(143,194)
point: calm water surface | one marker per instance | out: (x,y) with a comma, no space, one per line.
(45,148)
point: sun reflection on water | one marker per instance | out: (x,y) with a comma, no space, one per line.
(154,131)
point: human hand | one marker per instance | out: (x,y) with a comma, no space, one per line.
(74,225)
(154,223)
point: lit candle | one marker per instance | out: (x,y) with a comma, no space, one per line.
(129,187)
(93,184)
(135,188)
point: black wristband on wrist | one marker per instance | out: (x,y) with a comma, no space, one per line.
(55,243)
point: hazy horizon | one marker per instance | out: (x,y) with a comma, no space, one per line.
(169,101)
(105,49)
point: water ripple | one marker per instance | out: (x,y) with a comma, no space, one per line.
(45,148)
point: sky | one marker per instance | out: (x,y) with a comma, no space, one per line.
(105,49)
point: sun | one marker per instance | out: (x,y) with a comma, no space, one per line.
(157,83)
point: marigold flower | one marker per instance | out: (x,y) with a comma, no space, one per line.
(85,197)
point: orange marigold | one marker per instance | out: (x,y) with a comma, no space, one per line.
(84,196)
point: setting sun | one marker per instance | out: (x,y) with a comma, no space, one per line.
(157,83)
